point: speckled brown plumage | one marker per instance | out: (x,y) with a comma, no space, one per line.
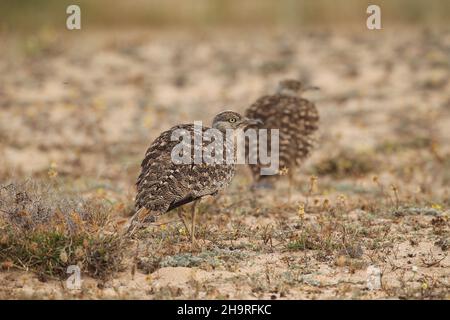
(295,117)
(164,185)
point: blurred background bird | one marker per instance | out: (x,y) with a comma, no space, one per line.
(297,120)
(164,184)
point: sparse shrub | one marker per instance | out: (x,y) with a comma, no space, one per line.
(43,231)
(328,236)
(304,242)
(409,210)
(214,258)
(415,142)
(346,164)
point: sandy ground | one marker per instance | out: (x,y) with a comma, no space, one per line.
(87,107)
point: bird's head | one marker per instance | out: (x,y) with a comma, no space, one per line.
(293,87)
(232,120)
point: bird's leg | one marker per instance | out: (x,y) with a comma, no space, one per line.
(181,215)
(193,214)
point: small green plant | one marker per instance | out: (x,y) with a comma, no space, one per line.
(45,233)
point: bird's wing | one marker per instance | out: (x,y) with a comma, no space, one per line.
(164,185)
(296,118)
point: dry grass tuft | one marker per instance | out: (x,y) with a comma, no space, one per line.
(44,232)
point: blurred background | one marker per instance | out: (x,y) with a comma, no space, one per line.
(30,15)
(90,101)
(79,108)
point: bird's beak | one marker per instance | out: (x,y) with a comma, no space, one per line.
(250,122)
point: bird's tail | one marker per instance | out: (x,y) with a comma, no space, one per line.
(137,221)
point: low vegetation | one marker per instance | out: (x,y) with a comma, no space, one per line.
(44,232)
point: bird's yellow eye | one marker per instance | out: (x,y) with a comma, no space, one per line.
(232,120)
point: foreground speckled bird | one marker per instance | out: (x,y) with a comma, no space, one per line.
(164,185)
(296,118)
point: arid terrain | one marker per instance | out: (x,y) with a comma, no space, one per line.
(78,112)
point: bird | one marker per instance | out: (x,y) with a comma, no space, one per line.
(297,120)
(164,184)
